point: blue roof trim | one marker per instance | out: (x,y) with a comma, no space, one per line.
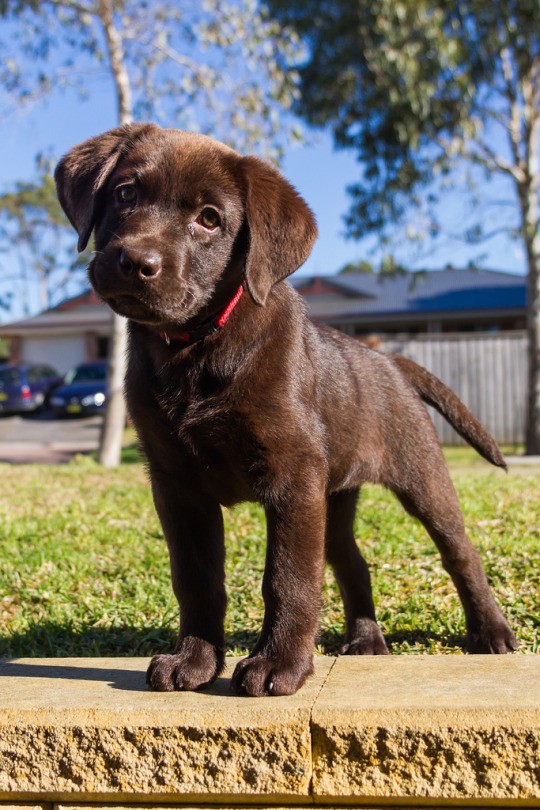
(484,298)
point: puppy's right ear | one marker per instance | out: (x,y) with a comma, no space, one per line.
(83,172)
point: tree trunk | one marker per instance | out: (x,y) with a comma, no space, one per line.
(532,433)
(110,445)
(112,431)
(531,228)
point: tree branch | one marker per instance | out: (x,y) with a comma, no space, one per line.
(487,157)
(118,63)
(485,237)
(174,56)
(514,132)
(80,8)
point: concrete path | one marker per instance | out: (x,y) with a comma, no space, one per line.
(42,439)
(523,461)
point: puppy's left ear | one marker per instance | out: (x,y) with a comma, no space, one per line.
(282,228)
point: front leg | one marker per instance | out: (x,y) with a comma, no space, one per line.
(283,657)
(193,528)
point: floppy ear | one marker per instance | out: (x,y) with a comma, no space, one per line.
(84,170)
(282,228)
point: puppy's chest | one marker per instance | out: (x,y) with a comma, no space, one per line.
(196,404)
(204,416)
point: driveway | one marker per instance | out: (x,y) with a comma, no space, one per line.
(40,438)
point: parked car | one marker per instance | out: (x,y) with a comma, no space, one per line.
(26,386)
(84,391)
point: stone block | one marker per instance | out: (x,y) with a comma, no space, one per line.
(448,729)
(89,730)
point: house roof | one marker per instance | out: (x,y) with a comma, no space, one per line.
(83,313)
(414,294)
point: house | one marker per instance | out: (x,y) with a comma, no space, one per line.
(448,300)
(360,304)
(74,332)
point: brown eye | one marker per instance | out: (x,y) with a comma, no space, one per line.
(209,219)
(126,195)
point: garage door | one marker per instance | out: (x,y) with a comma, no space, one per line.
(60,352)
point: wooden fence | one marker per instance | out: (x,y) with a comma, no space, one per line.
(488,371)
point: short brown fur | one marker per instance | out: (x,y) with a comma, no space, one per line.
(271,408)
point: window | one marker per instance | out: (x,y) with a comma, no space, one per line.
(10,376)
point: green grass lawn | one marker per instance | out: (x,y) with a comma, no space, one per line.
(84,567)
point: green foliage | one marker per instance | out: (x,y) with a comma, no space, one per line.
(33,204)
(388,267)
(361,266)
(84,568)
(414,86)
(32,223)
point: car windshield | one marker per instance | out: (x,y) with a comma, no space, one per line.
(84,374)
(10,376)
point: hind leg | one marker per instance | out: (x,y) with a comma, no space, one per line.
(426,491)
(363,635)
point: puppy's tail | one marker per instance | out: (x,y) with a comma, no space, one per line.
(437,394)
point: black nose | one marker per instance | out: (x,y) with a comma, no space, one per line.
(145,264)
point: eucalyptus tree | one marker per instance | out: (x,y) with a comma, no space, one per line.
(426,91)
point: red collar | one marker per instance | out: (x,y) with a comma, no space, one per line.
(208,327)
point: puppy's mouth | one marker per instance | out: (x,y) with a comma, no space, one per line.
(147,306)
(130,306)
(161,314)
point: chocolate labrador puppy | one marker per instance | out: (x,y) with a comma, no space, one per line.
(236,395)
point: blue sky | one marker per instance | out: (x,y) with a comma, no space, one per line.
(320,173)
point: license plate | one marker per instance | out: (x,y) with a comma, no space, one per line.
(73,409)
(3,397)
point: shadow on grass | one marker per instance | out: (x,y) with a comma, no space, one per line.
(50,640)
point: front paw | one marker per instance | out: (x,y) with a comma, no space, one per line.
(494,636)
(194,665)
(267,675)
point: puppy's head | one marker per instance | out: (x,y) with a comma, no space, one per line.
(178,218)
